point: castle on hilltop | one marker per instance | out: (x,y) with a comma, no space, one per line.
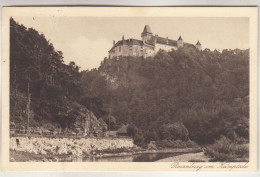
(148,46)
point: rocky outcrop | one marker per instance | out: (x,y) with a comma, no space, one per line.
(88,124)
(113,81)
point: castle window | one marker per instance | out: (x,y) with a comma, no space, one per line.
(119,48)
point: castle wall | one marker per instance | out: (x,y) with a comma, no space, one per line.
(114,52)
(118,51)
(198,47)
(136,50)
(126,50)
(167,48)
(148,52)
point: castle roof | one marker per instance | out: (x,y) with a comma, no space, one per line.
(147,29)
(180,38)
(198,43)
(162,40)
(188,45)
(128,42)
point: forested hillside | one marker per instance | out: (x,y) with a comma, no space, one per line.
(42,86)
(206,92)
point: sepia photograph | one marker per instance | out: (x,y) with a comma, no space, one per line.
(131,88)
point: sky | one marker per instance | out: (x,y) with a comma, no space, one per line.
(87,40)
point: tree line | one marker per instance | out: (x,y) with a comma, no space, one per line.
(206,92)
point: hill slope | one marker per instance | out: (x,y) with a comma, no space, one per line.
(206,91)
(41,84)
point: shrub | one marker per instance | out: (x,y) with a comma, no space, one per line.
(139,139)
(132,130)
(196,160)
(176,144)
(175,131)
(225,150)
(152,145)
(136,134)
(150,136)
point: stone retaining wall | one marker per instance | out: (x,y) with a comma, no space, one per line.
(62,146)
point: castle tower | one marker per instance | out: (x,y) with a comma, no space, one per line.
(198,45)
(180,42)
(146,34)
(123,40)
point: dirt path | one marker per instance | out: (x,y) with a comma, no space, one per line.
(190,157)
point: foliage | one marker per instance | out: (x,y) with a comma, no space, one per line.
(176,131)
(225,150)
(36,68)
(110,121)
(206,91)
(176,144)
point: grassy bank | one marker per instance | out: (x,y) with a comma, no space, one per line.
(226,150)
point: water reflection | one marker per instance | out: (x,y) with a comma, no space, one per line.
(146,157)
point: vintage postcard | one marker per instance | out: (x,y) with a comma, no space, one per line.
(129,88)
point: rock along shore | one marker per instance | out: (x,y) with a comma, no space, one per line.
(67,146)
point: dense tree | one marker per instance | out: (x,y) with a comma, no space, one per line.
(36,68)
(206,91)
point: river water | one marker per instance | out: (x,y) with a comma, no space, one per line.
(145,157)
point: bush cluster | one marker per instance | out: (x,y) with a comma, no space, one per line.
(226,150)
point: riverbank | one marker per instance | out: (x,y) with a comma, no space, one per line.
(24,149)
(20,156)
(190,157)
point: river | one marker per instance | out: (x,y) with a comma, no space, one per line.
(145,157)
